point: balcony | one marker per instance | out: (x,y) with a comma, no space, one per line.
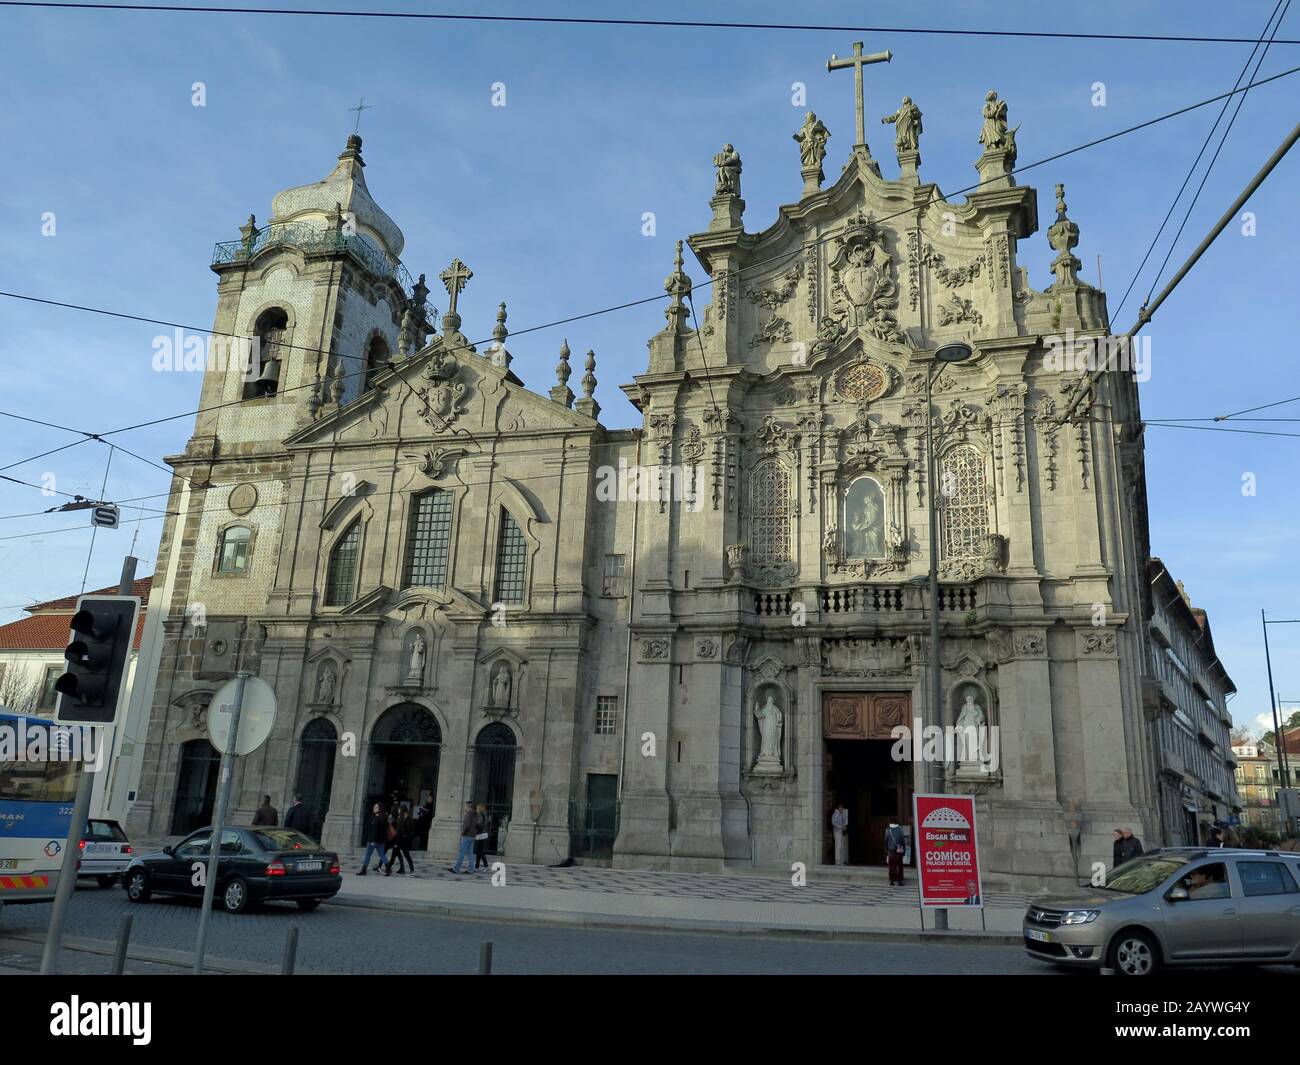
(313,240)
(904,602)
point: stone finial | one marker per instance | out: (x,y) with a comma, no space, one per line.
(678,287)
(406,334)
(587,404)
(353,149)
(248,233)
(336,385)
(497,353)
(561,393)
(1063,236)
(314,400)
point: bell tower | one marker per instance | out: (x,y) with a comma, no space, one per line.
(309,306)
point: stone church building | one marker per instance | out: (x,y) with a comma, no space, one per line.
(676,646)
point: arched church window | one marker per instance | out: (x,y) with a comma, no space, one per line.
(376,358)
(232,551)
(769,512)
(512,557)
(271,333)
(341,576)
(428,540)
(963,496)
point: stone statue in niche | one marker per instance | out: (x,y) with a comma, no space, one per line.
(864,519)
(419,648)
(971,733)
(501,685)
(328,686)
(770,720)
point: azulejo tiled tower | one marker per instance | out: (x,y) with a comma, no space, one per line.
(426,561)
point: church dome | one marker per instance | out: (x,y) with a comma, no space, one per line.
(346,187)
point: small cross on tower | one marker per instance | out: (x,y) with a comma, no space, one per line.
(361,106)
(857,61)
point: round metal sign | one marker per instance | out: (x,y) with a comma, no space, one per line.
(256,715)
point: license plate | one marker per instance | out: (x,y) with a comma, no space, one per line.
(101,848)
(8,863)
(310,867)
(1037,936)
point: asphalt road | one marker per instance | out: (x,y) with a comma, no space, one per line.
(339,939)
(345,939)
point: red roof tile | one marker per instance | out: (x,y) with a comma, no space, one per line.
(49,629)
(69,602)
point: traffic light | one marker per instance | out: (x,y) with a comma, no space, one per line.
(103,629)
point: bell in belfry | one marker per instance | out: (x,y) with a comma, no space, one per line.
(269,379)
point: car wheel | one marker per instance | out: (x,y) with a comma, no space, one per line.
(106,881)
(137,886)
(235,898)
(1134,953)
(307,905)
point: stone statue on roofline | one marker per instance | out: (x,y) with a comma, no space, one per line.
(907,126)
(993,134)
(812,137)
(728,164)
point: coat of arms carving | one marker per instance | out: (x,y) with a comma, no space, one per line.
(863,286)
(444,396)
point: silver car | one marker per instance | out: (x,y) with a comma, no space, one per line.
(1178,906)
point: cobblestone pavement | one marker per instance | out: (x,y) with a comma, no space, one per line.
(346,940)
(826,888)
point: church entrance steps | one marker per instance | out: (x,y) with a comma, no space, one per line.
(830,907)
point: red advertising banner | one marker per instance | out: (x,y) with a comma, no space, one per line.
(947,861)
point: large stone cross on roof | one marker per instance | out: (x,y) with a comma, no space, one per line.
(857,61)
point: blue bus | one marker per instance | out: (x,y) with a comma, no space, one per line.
(40,766)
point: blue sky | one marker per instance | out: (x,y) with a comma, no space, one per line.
(543,198)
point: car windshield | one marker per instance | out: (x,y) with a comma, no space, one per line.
(1144,874)
(284,839)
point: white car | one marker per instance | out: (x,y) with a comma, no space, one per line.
(105,852)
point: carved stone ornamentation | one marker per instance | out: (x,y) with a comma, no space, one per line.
(1030,644)
(863,381)
(851,657)
(785,287)
(706,647)
(1096,642)
(862,284)
(958,310)
(444,396)
(655,649)
(776,330)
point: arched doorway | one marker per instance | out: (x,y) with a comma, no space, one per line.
(316,770)
(404,748)
(196,787)
(494,780)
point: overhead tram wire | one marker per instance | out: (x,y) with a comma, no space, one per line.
(557,20)
(1213,159)
(1191,170)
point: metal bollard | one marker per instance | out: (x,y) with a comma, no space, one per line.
(485,958)
(123,940)
(290,952)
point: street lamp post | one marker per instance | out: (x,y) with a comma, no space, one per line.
(1283,762)
(957,352)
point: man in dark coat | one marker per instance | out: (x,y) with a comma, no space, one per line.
(377,836)
(1116,850)
(297,816)
(266,815)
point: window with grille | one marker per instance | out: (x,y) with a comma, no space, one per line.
(615,581)
(341,580)
(429,540)
(964,501)
(606,715)
(232,553)
(512,556)
(770,512)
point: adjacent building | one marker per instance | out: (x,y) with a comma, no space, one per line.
(1191,724)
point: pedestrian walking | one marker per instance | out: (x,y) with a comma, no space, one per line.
(1116,849)
(895,848)
(401,846)
(840,829)
(377,838)
(267,815)
(484,823)
(298,817)
(468,830)
(1130,846)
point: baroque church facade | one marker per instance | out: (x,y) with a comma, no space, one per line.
(427,561)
